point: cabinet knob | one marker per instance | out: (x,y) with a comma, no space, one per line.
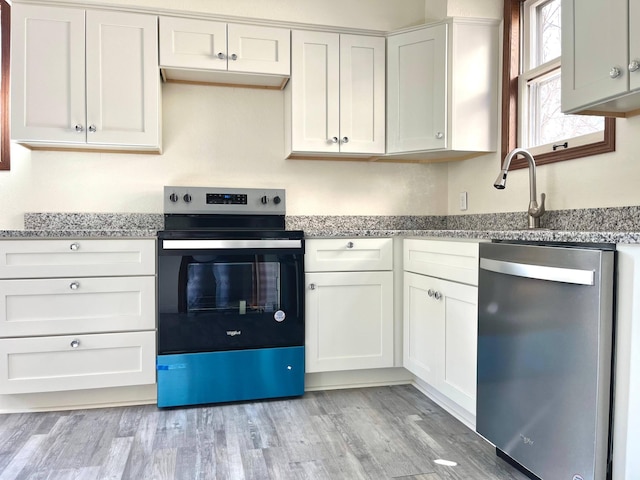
(614,72)
(437,295)
(333,140)
(92,128)
(74,286)
(233,56)
(221,56)
(75,343)
(634,65)
(312,286)
(439,135)
(430,292)
(74,246)
(350,245)
(345,139)
(79,128)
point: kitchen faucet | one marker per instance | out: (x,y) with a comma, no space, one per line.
(534,211)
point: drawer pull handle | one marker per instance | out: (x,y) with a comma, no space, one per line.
(350,245)
(74,246)
(75,343)
(74,286)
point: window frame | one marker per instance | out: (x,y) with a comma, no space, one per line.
(510,91)
(5,44)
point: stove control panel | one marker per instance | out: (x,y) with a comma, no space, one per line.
(215,200)
(226,199)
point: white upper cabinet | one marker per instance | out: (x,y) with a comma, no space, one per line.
(335,100)
(194,50)
(47,74)
(122,79)
(442,90)
(84,78)
(417,90)
(600,73)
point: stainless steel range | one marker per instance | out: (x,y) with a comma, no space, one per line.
(230,297)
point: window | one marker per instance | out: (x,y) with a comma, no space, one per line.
(5,35)
(531,116)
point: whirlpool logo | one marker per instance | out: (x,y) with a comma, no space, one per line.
(233,333)
(526,440)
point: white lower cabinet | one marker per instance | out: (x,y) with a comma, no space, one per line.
(349,304)
(441,334)
(76,314)
(349,321)
(55,363)
(441,317)
(80,305)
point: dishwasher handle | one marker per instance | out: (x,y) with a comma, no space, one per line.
(539,272)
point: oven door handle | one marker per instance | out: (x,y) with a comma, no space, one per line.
(230,244)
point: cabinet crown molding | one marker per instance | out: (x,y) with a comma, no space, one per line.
(97,5)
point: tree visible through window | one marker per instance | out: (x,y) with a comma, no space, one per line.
(532,117)
(5,35)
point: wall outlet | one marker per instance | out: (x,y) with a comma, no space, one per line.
(463,201)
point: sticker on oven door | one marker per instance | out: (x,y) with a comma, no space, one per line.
(279,316)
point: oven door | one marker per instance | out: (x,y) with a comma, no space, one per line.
(229,294)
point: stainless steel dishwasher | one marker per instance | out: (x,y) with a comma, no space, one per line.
(545,345)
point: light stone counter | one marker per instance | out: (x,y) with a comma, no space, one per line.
(605,225)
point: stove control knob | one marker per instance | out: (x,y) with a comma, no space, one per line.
(187,198)
(276,200)
(264,200)
(173,197)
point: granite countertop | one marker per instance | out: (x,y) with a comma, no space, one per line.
(614,225)
(80,233)
(526,235)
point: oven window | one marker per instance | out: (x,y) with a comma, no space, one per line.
(229,301)
(239,288)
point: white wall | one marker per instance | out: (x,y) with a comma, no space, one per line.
(219,136)
(608,180)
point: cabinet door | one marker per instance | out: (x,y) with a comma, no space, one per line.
(47,74)
(315,92)
(189,43)
(416,90)
(460,343)
(349,321)
(423,328)
(588,57)
(255,49)
(440,336)
(123,82)
(362,94)
(634,43)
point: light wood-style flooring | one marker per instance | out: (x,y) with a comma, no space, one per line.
(371,433)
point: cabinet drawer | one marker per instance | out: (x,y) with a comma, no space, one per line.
(447,259)
(76,257)
(60,306)
(48,364)
(348,254)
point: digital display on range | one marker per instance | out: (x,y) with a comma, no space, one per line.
(226,198)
